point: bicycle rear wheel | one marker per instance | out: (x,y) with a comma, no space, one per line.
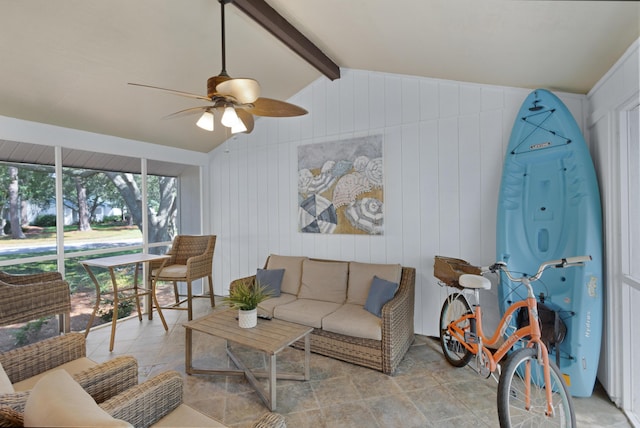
(524,371)
(454,307)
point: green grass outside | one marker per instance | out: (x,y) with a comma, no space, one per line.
(75,274)
(99,233)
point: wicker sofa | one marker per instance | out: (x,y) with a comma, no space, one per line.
(328,295)
(28,297)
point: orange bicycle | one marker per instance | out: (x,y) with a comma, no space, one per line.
(531,389)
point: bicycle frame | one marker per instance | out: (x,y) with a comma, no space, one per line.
(532,330)
(467,335)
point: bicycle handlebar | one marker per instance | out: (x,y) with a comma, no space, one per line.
(559,263)
(575,261)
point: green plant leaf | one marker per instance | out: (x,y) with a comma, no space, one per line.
(246,296)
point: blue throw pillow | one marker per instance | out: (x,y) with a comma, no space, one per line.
(381,292)
(271,279)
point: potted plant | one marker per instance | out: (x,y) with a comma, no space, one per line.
(246,297)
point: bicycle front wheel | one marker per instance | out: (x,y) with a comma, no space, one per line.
(454,307)
(522,399)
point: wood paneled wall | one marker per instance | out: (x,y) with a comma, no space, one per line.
(616,94)
(444,144)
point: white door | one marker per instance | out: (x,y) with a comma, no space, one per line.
(630,261)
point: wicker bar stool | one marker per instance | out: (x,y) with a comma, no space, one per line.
(191,259)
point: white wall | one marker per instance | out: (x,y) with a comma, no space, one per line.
(443,143)
(25,131)
(616,93)
(189,192)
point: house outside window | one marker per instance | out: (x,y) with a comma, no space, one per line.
(98,210)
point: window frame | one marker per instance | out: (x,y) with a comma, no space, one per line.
(60,256)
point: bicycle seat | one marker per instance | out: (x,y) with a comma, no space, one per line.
(468,280)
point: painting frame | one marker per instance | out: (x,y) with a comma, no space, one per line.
(341,186)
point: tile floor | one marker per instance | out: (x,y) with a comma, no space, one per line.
(426,391)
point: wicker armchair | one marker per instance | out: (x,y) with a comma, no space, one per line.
(113,385)
(102,381)
(154,403)
(161,397)
(191,259)
(27,297)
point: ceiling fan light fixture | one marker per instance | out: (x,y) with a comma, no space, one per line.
(234,101)
(229,117)
(206,121)
(239,126)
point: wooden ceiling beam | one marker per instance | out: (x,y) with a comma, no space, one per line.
(277,25)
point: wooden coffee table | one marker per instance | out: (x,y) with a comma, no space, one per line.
(269,336)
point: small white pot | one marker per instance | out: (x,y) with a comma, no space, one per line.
(247,319)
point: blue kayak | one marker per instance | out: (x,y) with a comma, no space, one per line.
(549,208)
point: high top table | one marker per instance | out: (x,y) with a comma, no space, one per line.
(127,292)
(269,336)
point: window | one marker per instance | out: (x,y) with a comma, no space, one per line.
(27,213)
(162,195)
(110,205)
(102,209)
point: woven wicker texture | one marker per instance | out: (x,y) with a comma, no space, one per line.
(449,269)
(27,297)
(141,405)
(108,379)
(10,417)
(102,381)
(148,402)
(397,332)
(28,361)
(15,401)
(196,253)
(270,420)
(30,278)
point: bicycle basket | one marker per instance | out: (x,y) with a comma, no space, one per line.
(449,269)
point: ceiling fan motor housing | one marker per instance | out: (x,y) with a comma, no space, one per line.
(214,81)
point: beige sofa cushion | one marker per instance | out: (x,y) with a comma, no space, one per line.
(266,307)
(353,320)
(305,311)
(292,266)
(185,416)
(57,400)
(361,275)
(72,367)
(325,281)
(5,383)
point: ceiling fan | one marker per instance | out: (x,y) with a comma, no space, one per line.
(233,100)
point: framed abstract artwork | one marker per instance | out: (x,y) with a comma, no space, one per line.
(340,187)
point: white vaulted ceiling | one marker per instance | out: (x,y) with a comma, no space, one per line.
(67,62)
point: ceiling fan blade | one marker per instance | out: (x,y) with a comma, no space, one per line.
(172,91)
(187,112)
(244,90)
(275,108)
(247,119)
(229,96)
